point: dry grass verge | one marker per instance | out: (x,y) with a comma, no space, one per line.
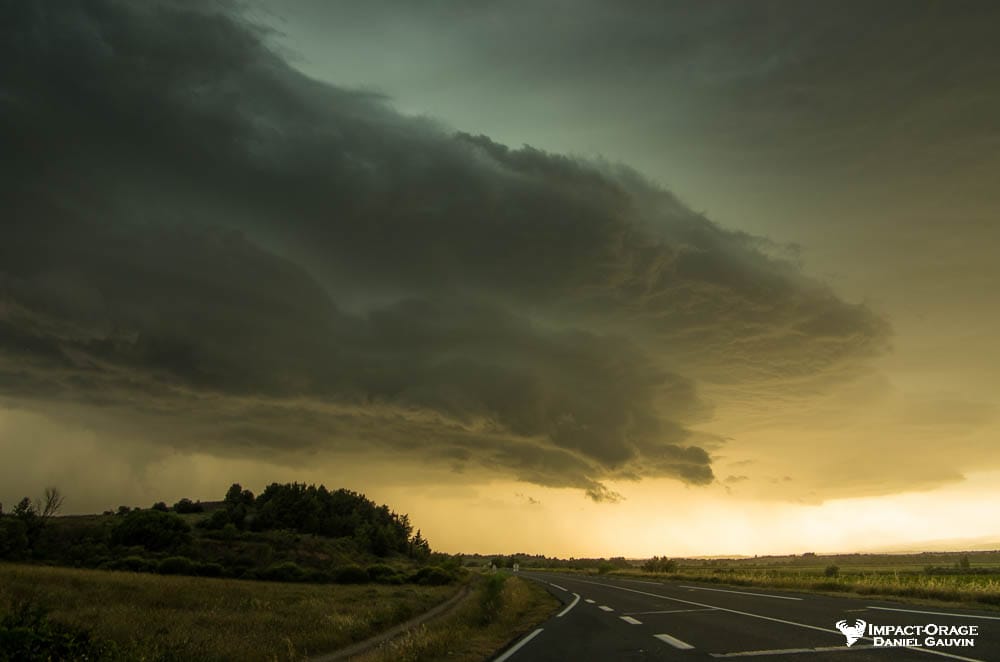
(499,610)
(160,618)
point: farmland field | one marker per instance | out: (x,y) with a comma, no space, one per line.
(971,578)
(151,617)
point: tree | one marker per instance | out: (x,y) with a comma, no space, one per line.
(419,547)
(25,510)
(50,504)
(161,506)
(657,564)
(152,529)
(186,505)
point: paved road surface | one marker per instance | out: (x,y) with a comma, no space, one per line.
(620,620)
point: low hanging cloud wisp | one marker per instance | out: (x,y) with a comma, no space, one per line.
(199,236)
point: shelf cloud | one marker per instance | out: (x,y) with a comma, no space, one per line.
(235,257)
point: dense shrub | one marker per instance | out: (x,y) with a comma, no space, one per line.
(286,571)
(831,571)
(350,574)
(657,564)
(134,564)
(385,574)
(432,576)
(151,529)
(380,570)
(176,565)
(188,506)
(491,598)
(14,543)
(217,520)
(26,633)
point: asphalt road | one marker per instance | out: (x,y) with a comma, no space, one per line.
(619,620)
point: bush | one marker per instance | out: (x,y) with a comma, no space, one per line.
(151,529)
(14,543)
(27,634)
(432,576)
(176,565)
(162,507)
(188,506)
(832,571)
(380,571)
(350,574)
(286,571)
(134,564)
(491,598)
(217,520)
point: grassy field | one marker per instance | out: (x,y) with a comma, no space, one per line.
(159,618)
(499,610)
(972,579)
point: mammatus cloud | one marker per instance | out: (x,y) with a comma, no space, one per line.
(200,236)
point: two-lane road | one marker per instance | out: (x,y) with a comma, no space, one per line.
(616,619)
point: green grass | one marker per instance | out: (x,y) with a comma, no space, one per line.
(970,579)
(159,618)
(498,611)
(971,590)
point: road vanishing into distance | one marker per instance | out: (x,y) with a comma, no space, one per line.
(613,619)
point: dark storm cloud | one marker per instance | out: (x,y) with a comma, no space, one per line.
(198,235)
(816,82)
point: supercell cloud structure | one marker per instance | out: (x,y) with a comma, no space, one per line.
(233,257)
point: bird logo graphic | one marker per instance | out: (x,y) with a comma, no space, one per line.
(852,632)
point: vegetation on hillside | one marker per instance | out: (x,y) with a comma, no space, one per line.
(290,532)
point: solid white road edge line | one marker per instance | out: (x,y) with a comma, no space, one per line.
(792,651)
(630,620)
(518,645)
(571,605)
(939,613)
(723,590)
(673,641)
(672,611)
(929,651)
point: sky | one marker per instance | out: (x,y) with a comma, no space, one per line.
(581,278)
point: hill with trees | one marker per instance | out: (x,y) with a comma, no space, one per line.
(289,532)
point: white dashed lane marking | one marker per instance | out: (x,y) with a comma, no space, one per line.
(673,641)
